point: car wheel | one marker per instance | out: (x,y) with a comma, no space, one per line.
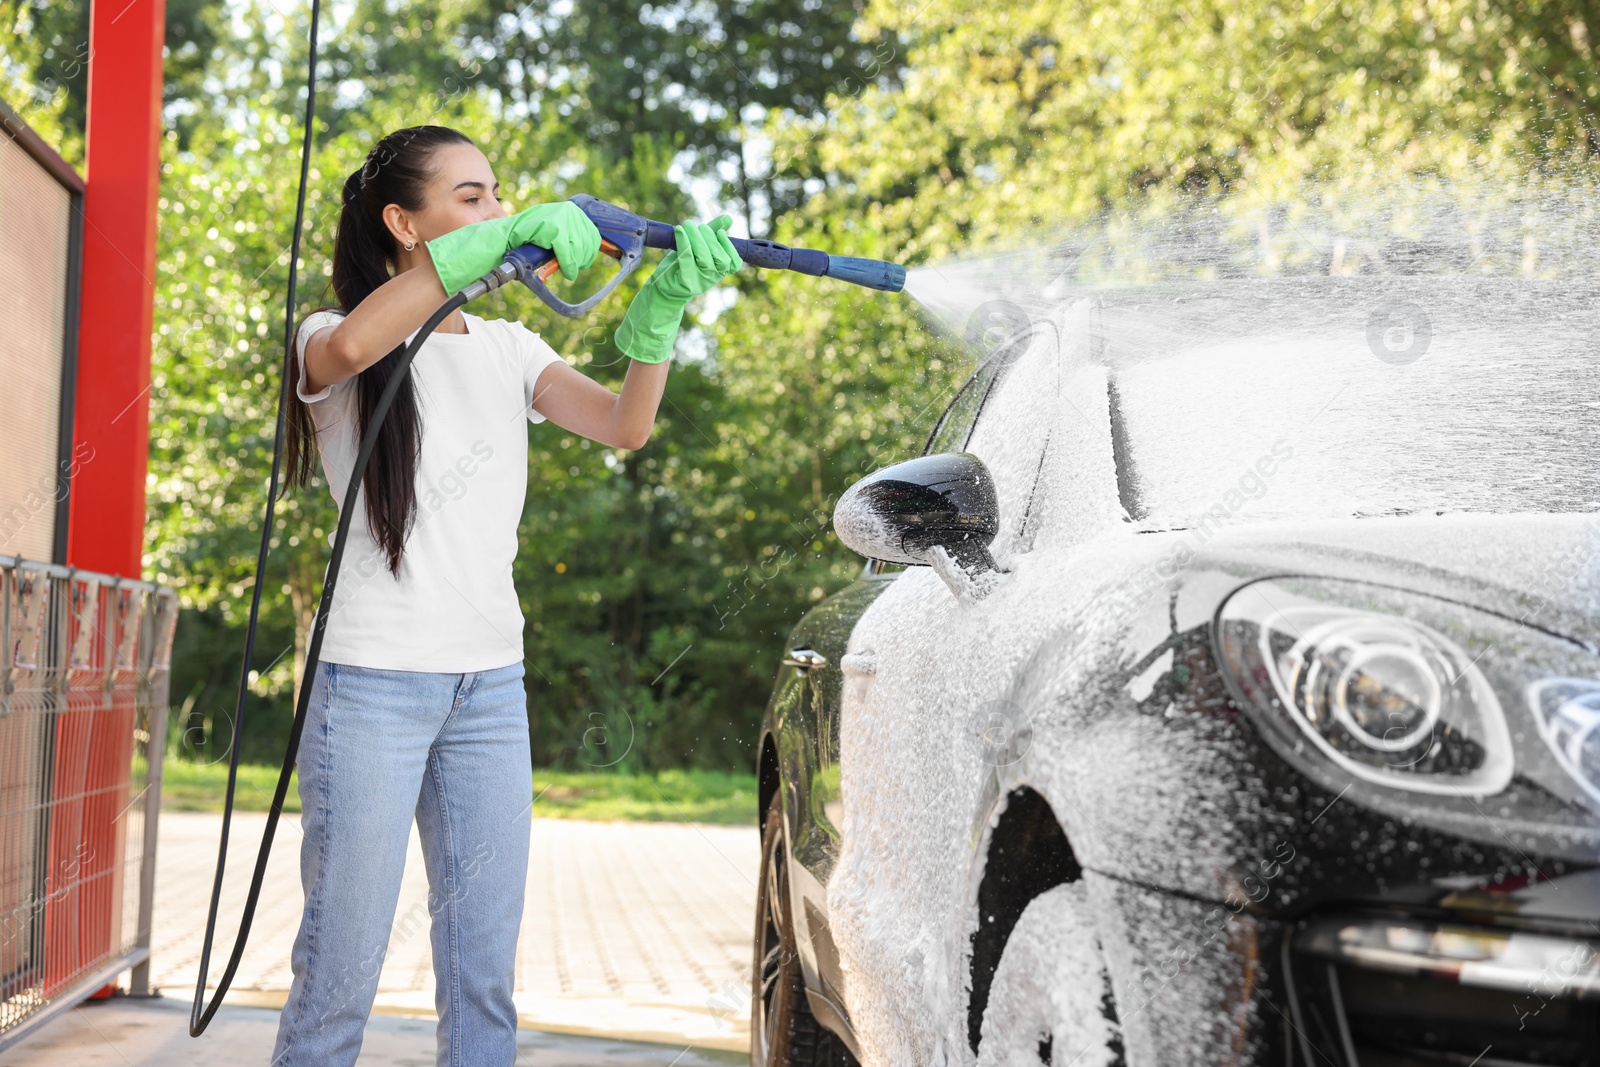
(782,1029)
(1051,999)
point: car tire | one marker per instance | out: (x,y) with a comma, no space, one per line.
(783,1031)
(1051,1000)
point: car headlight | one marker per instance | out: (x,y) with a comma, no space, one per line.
(1568,713)
(1421,707)
(1386,698)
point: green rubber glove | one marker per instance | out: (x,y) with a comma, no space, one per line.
(464,255)
(704,256)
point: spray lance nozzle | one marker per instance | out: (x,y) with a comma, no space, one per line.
(624,236)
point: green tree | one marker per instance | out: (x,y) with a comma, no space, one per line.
(712,72)
(228,191)
(1013,122)
(44,47)
(658,583)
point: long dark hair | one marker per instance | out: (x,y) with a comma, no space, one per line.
(396,171)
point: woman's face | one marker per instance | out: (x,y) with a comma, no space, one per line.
(463,191)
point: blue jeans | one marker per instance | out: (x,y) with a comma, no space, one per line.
(379,746)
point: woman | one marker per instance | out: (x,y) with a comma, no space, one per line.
(418,705)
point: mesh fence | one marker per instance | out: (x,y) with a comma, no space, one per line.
(84,663)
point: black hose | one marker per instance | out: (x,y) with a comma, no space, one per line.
(201,1013)
(198,1020)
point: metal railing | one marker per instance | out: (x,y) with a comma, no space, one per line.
(84,664)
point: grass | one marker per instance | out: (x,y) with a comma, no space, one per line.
(661,796)
(187,786)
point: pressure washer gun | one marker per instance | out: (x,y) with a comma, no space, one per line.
(624,236)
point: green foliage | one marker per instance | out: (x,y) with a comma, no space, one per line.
(650,632)
(616,70)
(1039,113)
(44,49)
(659,584)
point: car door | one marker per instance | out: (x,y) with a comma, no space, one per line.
(806,717)
(804,727)
(820,640)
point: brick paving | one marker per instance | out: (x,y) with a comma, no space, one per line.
(631,930)
(154,1033)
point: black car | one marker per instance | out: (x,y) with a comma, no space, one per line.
(1222,687)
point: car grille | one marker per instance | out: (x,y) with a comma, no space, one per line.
(1380,991)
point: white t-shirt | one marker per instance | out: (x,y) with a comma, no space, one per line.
(453,607)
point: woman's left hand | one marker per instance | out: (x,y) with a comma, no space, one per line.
(704,257)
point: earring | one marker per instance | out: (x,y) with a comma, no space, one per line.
(410,246)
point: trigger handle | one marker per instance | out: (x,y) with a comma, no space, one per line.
(606,248)
(621,237)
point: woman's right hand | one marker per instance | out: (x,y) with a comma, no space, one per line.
(394,310)
(464,255)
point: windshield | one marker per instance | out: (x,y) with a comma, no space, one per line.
(1353,397)
(1331,353)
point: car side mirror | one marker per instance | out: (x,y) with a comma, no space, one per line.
(906,510)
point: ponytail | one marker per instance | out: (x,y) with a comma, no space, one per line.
(396,171)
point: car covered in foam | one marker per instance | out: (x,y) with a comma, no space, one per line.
(1223,686)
